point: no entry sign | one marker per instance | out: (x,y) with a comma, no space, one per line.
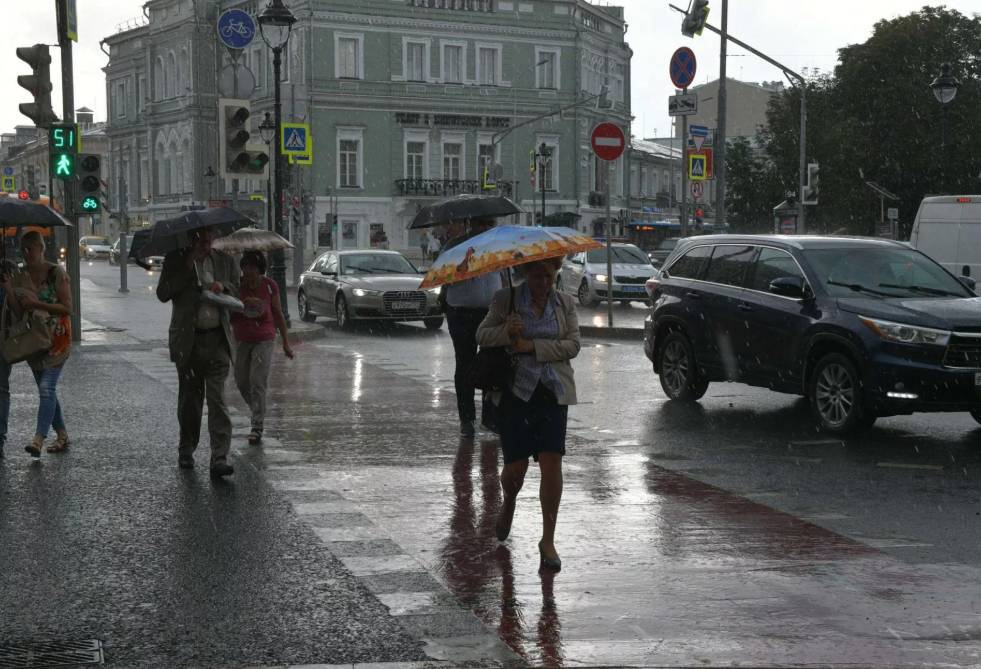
(608,141)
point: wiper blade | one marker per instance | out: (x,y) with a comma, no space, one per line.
(859,288)
(922,289)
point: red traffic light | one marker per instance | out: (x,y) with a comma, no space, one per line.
(24,195)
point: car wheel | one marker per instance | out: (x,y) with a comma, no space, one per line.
(433,323)
(304,308)
(976,415)
(835,394)
(679,375)
(585,299)
(343,316)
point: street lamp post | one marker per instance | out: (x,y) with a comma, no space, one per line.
(276,23)
(945,90)
(544,153)
(267,130)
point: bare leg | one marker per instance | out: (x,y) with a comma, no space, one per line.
(512,478)
(550,494)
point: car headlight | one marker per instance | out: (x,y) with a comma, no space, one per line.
(600,278)
(435,291)
(361,292)
(906,334)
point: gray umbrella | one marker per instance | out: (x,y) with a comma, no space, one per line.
(17,213)
(462,208)
(173,234)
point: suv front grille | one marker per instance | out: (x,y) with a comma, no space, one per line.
(963,352)
(630,279)
(404,302)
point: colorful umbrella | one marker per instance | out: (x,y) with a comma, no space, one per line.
(503,247)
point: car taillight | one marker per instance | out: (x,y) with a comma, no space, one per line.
(652,285)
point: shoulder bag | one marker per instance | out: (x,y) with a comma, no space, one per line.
(493,368)
(26,338)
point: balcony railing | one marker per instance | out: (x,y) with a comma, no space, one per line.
(445,187)
(463,5)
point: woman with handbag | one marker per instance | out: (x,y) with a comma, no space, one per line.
(255,335)
(543,333)
(43,288)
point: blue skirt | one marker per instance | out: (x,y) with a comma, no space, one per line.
(532,427)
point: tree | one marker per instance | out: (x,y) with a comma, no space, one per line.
(876,120)
(752,189)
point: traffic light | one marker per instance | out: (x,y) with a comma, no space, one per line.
(63,144)
(695,18)
(238,157)
(38,84)
(89,183)
(812,188)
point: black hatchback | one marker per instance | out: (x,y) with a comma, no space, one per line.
(861,327)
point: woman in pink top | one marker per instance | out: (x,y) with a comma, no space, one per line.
(255,334)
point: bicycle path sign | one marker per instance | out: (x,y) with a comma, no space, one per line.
(236,28)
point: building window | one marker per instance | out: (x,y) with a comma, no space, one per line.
(547,69)
(348,57)
(486,157)
(159,79)
(415,61)
(488,65)
(120,102)
(452,160)
(140,95)
(550,175)
(453,63)
(171,67)
(415,160)
(349,158)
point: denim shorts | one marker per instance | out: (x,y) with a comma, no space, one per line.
(532,427)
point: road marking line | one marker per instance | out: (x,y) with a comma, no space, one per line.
(910,465)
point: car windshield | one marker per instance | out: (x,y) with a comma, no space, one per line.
(376,263)
(621,254)
(882,272)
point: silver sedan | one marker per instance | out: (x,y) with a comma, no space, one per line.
(366,285)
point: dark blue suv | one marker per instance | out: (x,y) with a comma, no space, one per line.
(861,327)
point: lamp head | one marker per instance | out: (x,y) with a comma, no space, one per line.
(275,23)
(267,129)
(945,86)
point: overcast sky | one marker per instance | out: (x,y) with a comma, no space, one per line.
(798,34)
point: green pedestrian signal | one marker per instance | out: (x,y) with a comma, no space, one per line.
(64,166)
(90,204)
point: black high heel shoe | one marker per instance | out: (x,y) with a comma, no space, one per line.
(550,564)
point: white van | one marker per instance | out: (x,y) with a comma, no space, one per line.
(948,229)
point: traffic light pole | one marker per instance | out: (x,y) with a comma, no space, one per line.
(802,84)
(720,131)
(684,174)
(278,265)
(68,116)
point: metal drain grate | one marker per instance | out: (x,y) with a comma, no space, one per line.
(52,654)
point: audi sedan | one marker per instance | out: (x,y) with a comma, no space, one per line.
(366,284)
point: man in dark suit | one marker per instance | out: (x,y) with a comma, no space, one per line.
(200,344)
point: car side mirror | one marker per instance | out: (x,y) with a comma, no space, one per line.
(788,286)
(968,282)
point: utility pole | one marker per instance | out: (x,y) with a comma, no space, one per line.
(684,175)
(720,131)
(68,111)
(124,229)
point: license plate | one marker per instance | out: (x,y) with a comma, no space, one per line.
(977,379)
(632,289)
(405,306)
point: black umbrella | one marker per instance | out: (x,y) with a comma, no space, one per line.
(17,213)
(173,234)
(462,208)
(136,242)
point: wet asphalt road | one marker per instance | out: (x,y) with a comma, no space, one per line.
(727,531)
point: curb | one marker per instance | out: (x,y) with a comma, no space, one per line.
(307,333)
(634,334)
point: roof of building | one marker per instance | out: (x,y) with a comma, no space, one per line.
(655,149)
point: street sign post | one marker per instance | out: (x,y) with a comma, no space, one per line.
(682,67)
(236,29)
(608,143)
(683,104)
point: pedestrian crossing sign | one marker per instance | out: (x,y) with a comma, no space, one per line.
(9,185)
(295,140)
(696,166)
